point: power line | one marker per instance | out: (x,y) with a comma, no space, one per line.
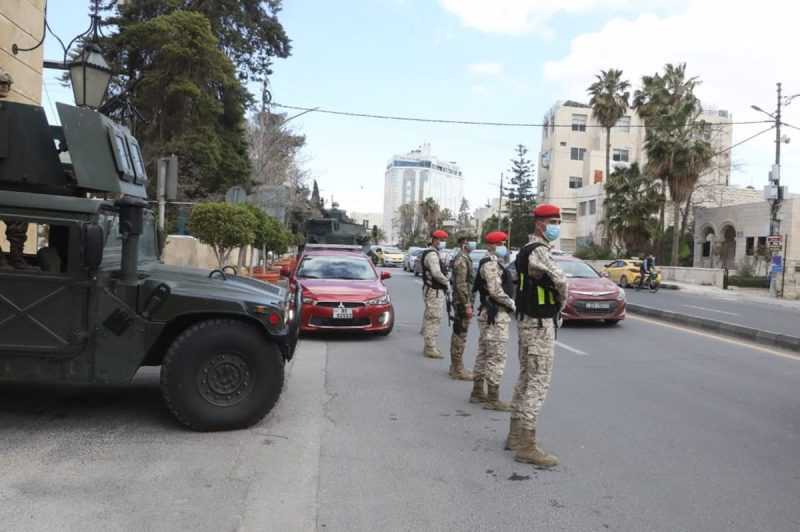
(480,123)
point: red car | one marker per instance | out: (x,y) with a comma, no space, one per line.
(592,296)
(342,290)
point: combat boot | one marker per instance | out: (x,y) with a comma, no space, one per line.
(16,258)
(493,401)
(513,441)
(430,351)
(457,369)
(529,451)
(478,394)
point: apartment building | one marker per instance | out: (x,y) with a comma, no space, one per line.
(572,164)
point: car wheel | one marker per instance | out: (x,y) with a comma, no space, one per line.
(221,374)
(623,282)
(612,322)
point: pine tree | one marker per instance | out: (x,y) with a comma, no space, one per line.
(463,214)
(521,198)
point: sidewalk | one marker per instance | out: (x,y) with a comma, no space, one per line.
(737,330)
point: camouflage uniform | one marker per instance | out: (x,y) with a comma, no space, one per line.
(434,303)
(16,234)
(493,340)
(536,345)
(463,299)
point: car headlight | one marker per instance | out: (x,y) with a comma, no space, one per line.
(620,295)
(382,300)
(309,301)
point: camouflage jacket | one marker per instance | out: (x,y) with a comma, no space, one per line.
(492,275)
(463,296)
(433,264)
(540,262)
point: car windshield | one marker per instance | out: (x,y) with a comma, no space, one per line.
(112,248)
(392,251)
(477,255)
(335,267)
(577,270)
(415,252)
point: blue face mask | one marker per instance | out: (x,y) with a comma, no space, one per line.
(501,251)
(472,246)
(442,245)
(551,232)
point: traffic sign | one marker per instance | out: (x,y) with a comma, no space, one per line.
(774,239)
(235,196)
(775,247)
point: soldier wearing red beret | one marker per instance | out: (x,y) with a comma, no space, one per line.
(434,292)
(495,288)
(541,295)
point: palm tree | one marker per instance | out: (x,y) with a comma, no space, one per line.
(609,101)
(429,213)
(632,199)
(676,152)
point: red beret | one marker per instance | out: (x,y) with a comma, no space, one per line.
(495,237)
(441,235)
(546,211)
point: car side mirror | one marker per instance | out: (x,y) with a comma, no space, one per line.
(603,274)
(285,272)
(385,275)
(92,245)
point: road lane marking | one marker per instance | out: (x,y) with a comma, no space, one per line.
(717,337)
(418,281)
(571,349)
(712,310)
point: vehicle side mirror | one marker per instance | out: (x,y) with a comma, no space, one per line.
(385,275)
(285,272)
(603,274)
(92,245)
(160,240)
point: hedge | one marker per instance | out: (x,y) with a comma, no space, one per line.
(750,282)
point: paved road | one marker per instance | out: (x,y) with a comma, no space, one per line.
(781,318)
(657,428)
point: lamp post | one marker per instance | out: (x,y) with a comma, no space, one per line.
(774,193)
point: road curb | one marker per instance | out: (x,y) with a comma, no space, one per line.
(742,332)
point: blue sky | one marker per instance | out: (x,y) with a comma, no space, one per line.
(501,61)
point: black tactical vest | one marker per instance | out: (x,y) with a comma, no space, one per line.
(536,298)
(427,277)
(480,283)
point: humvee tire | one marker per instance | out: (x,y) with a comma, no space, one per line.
(221,374)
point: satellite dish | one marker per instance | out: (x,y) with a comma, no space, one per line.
(235,196)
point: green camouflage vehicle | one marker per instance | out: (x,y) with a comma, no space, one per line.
(95,302)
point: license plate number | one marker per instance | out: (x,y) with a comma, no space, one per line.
(598,304)
(342,313)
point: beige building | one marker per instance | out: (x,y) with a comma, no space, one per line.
(22,23)
(727,236)
(572,164)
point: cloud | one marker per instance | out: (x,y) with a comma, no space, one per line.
(486,69)
(479,89)
(518,17)
(738,53)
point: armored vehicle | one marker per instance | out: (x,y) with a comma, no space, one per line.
(92,301)
(336,228)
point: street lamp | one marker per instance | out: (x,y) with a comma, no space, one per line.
(774,193)
(89,72)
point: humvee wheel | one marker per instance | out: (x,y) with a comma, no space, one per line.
(221,375)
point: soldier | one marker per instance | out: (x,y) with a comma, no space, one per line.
(495,287)
(541,296)
(5,83)
(434,292)
(463,300)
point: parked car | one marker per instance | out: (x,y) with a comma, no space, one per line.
(410,256)
(625,271)
(392,256)
(342,290)
(592,296)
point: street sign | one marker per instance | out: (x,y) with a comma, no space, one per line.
(777,264)
(774,239)
(775,247)
(235,196)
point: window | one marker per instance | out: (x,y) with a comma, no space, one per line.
(544,128)
(592,206)
(624,124)
(582,208)
(761,245)
(620,155)
(579,122)
(706,249)
(46,246)
(576,154)
(749,246)
(575,182)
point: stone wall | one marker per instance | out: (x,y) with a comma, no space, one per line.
(22,23)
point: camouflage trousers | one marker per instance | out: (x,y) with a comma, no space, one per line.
(459,339)
(492,344)
(432,319)
(536,348)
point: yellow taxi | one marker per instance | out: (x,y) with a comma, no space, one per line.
(392,256)
(625,272)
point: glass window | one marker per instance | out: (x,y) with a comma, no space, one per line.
(749,247)
(624,124)
(592,206)
(620,155)
(579,122)
(575,182)
(335,267)
(47,248)
(576,154)
(582,208)
(706,249)
(544,129)
(574,269)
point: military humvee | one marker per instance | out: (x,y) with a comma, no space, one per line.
(97,302)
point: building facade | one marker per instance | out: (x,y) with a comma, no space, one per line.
(413,177)
(23,24)
(572,164)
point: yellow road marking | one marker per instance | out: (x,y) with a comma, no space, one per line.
(717,337)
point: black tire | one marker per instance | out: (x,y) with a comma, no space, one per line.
(388,330)
(636,284)
(623,282)
(654,286)
(221,374)
(611,323)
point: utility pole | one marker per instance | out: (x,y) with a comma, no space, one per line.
(500,205)
(775,223)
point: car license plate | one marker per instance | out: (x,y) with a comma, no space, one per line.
(598,304)
(342,313)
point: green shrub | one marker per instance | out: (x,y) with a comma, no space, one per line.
(749,282)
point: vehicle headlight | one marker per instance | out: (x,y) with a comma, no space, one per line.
(382,300)
(620,295)
(309,300)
